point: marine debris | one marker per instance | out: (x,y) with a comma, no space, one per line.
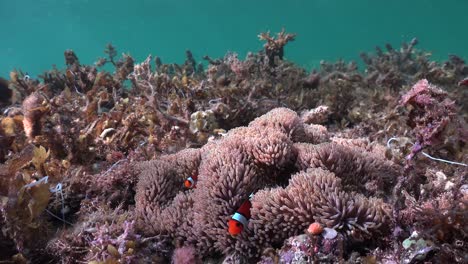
(236,160)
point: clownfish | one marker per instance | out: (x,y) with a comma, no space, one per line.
(463,82)
(240,218)
(191,182)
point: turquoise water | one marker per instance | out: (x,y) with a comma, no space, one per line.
(36,32)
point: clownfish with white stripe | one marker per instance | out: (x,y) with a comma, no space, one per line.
(191,182)
(240,218)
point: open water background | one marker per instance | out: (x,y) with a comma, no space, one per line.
(35,33)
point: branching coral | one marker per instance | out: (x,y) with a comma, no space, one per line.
(274,47)
(393,67)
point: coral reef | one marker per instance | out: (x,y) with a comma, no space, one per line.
(93,163)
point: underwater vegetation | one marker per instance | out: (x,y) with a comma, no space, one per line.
(252,160)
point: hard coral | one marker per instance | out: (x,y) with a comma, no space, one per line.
(274,47)
(247,160)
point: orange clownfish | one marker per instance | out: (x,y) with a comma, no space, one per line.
(240,218)
(191,182)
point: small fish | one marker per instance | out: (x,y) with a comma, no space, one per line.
(463,82)
(191,182)
(240,218)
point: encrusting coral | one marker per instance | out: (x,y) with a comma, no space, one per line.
(248,160)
